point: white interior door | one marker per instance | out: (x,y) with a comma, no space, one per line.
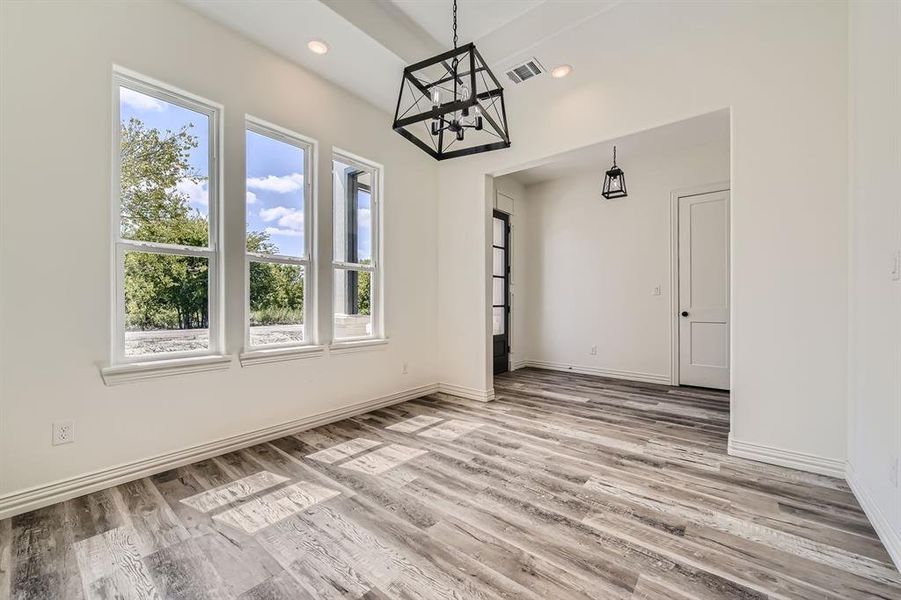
(704,290)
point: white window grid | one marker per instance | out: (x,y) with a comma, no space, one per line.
(310,147)
(376,173)
(214,112)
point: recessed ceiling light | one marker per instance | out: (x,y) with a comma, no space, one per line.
(317,46)
(561,71)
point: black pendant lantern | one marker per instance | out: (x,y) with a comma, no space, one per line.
(614,181)
(452,105)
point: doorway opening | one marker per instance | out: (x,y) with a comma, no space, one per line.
(599,289)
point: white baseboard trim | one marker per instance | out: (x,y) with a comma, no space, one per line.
(589,370)
(787,458)
(65,489)
(518,364)
(467,392)
(890,538)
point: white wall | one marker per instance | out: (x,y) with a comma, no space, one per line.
(592,264)
(54,239)
(874,444)
(782,69)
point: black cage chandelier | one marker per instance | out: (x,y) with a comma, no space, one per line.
(452,105)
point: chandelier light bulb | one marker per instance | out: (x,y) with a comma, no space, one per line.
(464,96)
(436,97)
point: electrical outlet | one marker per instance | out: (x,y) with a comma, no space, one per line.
(594,350)
(893,472)
(896,265)
(658,290)
(63,432)
(404,369)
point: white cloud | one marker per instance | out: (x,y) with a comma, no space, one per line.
(277,212)
(280,185)
(286,218)
(284,232)
(139,101)
(198,194)
(251,198)
(292,221)
(364,218)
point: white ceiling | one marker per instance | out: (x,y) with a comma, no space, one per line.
(355,61)
(475,18)
(712,128)
(372,41)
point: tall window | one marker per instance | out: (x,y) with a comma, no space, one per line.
(278,236)
(356,216)
(166,231)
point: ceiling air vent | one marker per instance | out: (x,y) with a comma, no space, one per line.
(526,70)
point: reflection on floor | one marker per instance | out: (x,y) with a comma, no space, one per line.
(566,486)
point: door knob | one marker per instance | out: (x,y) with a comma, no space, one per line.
(684,313)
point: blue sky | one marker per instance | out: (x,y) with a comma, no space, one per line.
(275,191)
(275,175)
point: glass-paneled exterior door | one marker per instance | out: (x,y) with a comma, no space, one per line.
(500,290)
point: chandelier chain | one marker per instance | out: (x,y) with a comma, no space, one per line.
(455,24)
(455,62)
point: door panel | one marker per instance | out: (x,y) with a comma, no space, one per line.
(500,288)
(709,344)
(704,290)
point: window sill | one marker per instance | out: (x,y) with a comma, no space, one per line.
(271,355)
(135,372)
(349,346)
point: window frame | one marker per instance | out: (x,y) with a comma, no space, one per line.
(310,148)
(375,269)
(120,246)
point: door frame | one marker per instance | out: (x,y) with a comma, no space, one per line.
(675,196)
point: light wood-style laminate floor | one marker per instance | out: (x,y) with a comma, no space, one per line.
(566,486)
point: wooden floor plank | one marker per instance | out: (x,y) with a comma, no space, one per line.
(240,561)
(570,487)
